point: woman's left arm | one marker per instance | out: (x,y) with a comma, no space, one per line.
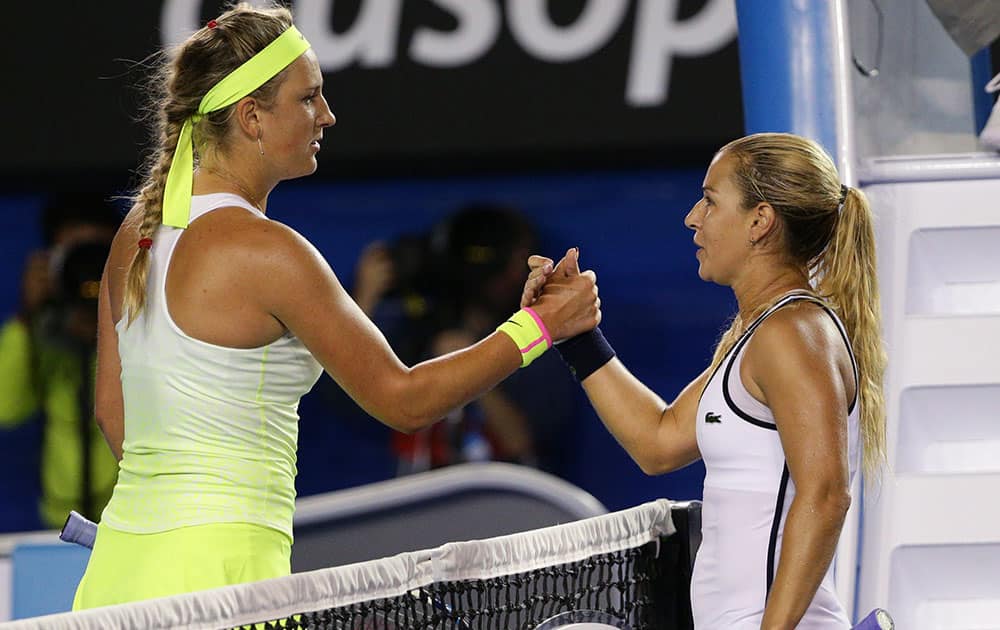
(109,405)
(797,360)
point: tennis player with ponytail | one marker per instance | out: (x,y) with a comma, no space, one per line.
(792,400)
(215,320)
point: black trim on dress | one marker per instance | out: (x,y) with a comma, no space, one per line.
(740,341)
(772,544)
(729,401)
(731,358)
(850,353)
(746,337)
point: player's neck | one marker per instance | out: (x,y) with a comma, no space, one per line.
(217,177)
(756,293)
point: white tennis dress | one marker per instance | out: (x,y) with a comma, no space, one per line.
(746,499)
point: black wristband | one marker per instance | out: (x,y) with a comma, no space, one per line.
(586,353)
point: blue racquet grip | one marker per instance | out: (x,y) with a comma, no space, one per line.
(877,619)
(79,530)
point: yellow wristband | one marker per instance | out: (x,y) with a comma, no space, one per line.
(528,331)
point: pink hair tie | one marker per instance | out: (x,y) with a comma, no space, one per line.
(212,24)
(145,243)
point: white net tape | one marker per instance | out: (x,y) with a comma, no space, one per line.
(383,578)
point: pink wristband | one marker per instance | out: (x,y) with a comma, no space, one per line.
(541,324)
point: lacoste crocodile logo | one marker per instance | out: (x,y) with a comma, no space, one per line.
(713,417)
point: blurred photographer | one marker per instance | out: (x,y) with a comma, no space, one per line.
(47,356)
(440,292)
(398,286)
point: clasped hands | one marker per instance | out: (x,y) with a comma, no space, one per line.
(563,296)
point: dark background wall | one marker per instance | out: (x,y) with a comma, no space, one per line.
(593,82)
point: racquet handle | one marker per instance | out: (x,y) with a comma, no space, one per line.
(877,619)
(79,530)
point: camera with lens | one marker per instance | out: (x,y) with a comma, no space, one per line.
(69,318)
(416,265)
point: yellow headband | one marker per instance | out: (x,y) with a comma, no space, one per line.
(254,73)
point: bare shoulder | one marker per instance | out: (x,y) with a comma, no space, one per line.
(235,236)
(233,274)
(268,257)
(802,326)
(798,341)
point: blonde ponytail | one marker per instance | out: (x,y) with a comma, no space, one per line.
(150,200)
(847,278)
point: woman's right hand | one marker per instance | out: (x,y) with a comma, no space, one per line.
(567,299)
(541,268)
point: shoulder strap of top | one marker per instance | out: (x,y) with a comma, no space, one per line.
(783,301)
(203,204)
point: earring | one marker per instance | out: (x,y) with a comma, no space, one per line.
(260,145)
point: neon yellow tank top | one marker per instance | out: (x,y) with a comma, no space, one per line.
(210,431)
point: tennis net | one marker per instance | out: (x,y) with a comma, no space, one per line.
(627,565)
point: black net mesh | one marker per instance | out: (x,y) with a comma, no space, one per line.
(623,584)
(630,569)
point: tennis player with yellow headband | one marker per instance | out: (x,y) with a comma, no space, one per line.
(215,320)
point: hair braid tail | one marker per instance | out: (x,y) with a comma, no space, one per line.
(150,199)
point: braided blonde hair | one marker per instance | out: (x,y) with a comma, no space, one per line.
(177,88)
(835,242)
